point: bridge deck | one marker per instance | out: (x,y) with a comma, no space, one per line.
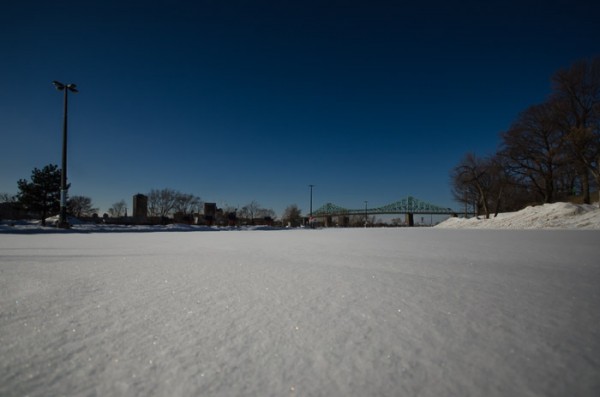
(409,205)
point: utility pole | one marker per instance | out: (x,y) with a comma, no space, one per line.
(310,220)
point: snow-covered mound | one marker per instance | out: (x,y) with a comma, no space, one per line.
(547,216)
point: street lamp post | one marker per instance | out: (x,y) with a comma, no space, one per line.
(366,213)
(310,213)
(62,218)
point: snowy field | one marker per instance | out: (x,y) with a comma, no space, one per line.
(331,312)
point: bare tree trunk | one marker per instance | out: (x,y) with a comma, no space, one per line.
(498,200)
(585,185)
(596,173)
(483,199)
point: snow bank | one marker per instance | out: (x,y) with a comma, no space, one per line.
(547,216)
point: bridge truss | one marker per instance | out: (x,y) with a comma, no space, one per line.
(409,205)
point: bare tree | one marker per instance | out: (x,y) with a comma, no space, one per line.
(397,222)
(292,215)
(161,202)
(186,203)
(250,211)
(7,198)
(474,177)
(577,91)
(81,206)
(9,205)
(118,209)
(463,191)
(165,202)
(359,220)
(550,150)
(266,213)
(534,149)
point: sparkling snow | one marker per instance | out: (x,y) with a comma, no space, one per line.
(331,312)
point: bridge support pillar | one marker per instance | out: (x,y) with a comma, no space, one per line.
(409,219)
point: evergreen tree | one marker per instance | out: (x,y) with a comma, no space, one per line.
(42,194)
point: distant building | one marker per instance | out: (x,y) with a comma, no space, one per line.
(210,212)
(140,206)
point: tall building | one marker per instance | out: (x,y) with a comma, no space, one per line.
(210,212)
(140,206)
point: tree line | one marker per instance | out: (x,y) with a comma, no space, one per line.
(40,196)
(162,203)
(550,152)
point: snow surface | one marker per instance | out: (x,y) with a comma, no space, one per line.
(331,312)
(547,216)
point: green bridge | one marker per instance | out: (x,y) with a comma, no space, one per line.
(408,206)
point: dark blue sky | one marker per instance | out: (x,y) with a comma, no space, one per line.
(237,101)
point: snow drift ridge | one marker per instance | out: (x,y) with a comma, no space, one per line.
(547,216)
